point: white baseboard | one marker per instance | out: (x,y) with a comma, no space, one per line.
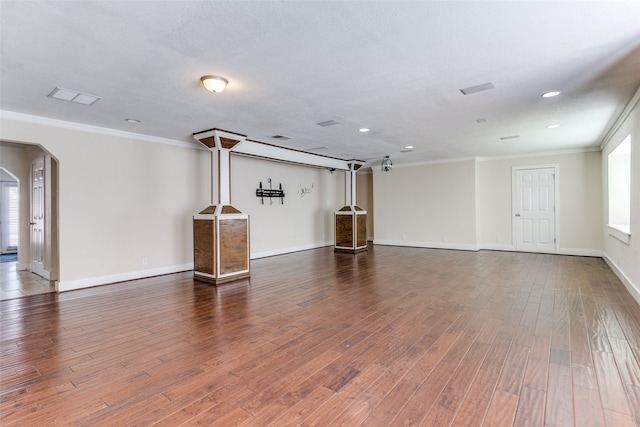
(265,254)
(560,251)
(497,247)
(22,266)
(431,245)
(45,274)
(633,290)
(490,247)
(579,252)
(69,285)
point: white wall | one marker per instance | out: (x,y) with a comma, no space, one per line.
(303,221)
(579,219)
(624,258)
(467,204)
(430,205)
(125,205)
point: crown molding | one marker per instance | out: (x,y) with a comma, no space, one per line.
(541,154)
(80,127)
(621,119)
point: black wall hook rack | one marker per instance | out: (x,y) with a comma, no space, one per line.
(270,193)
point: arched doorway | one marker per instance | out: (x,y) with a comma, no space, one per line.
(17,276)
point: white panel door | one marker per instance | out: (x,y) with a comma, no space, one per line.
(534,210)
(37,217)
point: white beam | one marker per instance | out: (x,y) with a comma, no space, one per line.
(273,152)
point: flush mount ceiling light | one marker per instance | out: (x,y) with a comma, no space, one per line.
(551,94)
(132,120)
(214,83)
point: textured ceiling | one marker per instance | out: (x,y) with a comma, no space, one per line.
(394,67)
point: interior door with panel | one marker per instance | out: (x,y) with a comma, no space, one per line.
(534,210)
(37,228)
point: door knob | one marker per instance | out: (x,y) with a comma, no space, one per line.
(517,214)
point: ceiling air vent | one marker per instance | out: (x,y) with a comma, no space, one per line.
(327,123)
(479,88)
(73,96)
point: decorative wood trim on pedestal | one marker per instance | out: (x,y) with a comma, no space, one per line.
(234,236)
(204,248)
(344,231)
(361,230)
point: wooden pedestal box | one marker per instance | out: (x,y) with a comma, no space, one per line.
(221,244)
(351,229)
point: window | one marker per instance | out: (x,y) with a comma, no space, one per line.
(619,173)
(13,218)
(9,220)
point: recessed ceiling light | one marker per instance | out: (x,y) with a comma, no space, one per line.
(345,155)
(551,94)
(363,130)
(132,120)
(408,147)
(510,137)
(553,126)
(481,120)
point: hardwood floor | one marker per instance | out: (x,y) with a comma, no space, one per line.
(390,337)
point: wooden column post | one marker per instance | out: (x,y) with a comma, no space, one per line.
(220,231)
(351,220)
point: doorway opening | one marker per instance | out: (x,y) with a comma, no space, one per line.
(20,276)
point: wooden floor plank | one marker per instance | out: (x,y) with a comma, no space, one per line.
(586,412)
(391,336)
(559,405)
(531,407)
(612,392)
(502,409)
